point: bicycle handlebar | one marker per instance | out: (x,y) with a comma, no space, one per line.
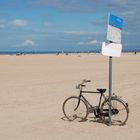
(87,81)
(82,83)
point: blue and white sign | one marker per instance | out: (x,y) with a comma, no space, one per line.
(115,21)
(115,25)
(114,47)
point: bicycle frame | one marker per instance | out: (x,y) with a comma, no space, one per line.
(96,92)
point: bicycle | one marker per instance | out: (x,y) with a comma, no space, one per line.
(78,107)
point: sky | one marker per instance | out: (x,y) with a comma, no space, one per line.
(65,25)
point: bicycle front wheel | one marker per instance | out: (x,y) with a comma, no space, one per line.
(119,111)
(72,111)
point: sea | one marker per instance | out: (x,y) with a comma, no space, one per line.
(62,52)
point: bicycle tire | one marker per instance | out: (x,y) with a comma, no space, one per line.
(69,107)
(119,111)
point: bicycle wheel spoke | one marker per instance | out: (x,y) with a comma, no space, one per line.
(119,111)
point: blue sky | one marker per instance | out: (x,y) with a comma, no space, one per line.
(65,25)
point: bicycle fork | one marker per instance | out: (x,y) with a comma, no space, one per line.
(78,101)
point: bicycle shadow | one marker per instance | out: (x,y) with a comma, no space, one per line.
(89,119)
(97,120)
(81,120)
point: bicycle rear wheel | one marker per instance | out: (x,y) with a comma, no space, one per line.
(119,111)
(71,111)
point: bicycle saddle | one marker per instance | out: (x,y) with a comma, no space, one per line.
(101,90)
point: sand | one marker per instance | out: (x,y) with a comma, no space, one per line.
(34,87)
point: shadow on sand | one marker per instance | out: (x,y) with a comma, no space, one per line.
(94,120)
(89,119)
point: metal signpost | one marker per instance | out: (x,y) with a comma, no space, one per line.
(113,48)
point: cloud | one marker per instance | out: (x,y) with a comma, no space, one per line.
(19,23)
(68,5)
(46,24)
(92,42)
(79,33)
(2,24)
(125,8)
(124,3)
(27,43)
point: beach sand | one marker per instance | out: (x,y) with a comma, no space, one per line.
(34,87)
